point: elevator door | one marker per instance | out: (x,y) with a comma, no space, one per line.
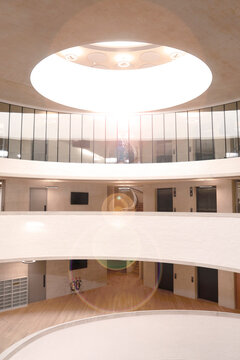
(206,199)
(165,199)
(207,284)
(165,272)
(38,199)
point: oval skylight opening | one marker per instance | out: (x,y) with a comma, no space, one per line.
(87,79)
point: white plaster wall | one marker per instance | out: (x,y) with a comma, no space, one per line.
(57,279)
(13,270)
(226,289)
(149,274)
(225,196)
(17,194)
(183,285)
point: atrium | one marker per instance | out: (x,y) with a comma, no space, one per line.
(119,179)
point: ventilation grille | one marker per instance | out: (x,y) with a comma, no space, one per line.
(13,293)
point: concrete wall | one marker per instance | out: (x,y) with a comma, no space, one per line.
(183,284)
(17,194)
(226,289)
(59,277)
(13,270)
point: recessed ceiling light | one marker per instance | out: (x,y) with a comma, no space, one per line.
(71,57)
(72,54)
(123,60)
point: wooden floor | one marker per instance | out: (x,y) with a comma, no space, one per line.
(124,292)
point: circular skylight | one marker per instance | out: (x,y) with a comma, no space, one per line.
(121,78)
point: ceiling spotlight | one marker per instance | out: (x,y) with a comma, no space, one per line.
(123,60)
(72,54)
(176,55)
(28,261)
(71,57)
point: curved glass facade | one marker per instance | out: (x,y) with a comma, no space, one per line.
(211,133)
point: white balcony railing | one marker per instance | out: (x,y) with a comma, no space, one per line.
(210,240)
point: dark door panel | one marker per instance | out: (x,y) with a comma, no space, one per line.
(208,284)
(206,199)
(165,199)
(165,272)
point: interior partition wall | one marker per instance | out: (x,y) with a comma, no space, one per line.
(211,133)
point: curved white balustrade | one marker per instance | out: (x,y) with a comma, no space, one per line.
(210,240)
(147,172)
(153,335)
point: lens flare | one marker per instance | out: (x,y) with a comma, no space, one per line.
(123,291)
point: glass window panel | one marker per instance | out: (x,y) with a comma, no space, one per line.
(146,139)
(15,132)
(40,135)
(182,136)
(158,138)
(63,137)
(111,139)
(4,127)
(170,138)
(218,131)
(99,138)
(52,136)
(194,135)
(123,145)
(206,134)
(134,139)
(87,139)
(27,133)
(231,130)
(238,118)
(122,127)
(76,138)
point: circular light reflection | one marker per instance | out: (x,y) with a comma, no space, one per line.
(123,291)
(138,90)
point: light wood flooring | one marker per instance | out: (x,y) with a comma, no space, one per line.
(123,292)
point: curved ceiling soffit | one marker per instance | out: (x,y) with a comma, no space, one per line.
(150,21)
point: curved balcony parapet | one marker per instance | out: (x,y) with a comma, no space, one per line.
(179,330)
(209,240)
(208,169)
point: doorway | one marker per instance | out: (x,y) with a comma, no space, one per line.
(165,200)
(206,199)
(37,281)
(165,275)
(207,284)
(38,199)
